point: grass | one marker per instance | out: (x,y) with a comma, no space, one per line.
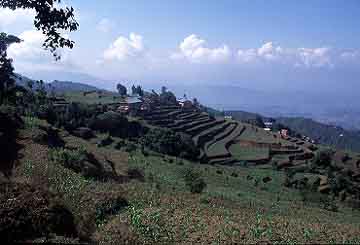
(93,98)
(219,148)
(253,133)
(235,207)
(232,208)
(248,153)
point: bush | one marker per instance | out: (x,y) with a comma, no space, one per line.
(170,143)
(130,147)
(76,115)
(105,141)
(72,159)
(83,132)
(28,213)
(323,158)
(120,144)
(109,206)
(116,125)
(194,181)
(10,122)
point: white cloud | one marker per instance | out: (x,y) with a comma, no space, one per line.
(317,57)
(9,17)
(30,54)
(248,55)
(269,52)
(105,25)
(298,57)
(30,47)
(192,48)
(350,55)
(124,48)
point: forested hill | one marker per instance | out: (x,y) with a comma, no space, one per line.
(324,134)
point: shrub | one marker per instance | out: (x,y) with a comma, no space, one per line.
(72,159)
(83,132)
(130,147)
(116,125)
(29,212)
(170,143)
(235,175)
(194,181)
(10,122)
(323,158)
(107,207)
(105,141)
(120,144)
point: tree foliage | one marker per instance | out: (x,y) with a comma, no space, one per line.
(121,89)
(171,143)
(137,90)
(7,81)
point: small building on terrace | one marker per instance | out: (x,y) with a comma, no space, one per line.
(185,103)
(130,104)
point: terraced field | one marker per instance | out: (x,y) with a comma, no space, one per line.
(205,130)
(226,141)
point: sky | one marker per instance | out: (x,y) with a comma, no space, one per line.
(268,45)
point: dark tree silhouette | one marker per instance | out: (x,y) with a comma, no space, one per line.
(137,90)
(6,69)
(121,89)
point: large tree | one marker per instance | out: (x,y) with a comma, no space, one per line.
(6,69)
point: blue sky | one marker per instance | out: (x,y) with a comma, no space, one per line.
(255,44)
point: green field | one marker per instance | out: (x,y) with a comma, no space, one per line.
(93,98)
(248,153)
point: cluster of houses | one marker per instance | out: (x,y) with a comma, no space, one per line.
(134,104)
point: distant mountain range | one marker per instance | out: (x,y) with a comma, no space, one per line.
(58,86)
(334,108)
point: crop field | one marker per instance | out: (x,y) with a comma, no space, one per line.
(236,206)
(93,98)
(256,134)
(220,147)
(249,153)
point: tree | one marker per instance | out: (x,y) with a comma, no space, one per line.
(196,102)
(139,90)
(133,89)
(7,81)
(50,20)
(163,89)
(121,89)
(168,98)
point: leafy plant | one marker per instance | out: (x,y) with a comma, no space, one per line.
(194,181)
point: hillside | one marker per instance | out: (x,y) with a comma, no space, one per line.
(140,196)
(58,86)
(89,172)
(325,134)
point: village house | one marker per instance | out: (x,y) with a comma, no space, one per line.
(185,103)
(130,104)
(284,133)
(268,124)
